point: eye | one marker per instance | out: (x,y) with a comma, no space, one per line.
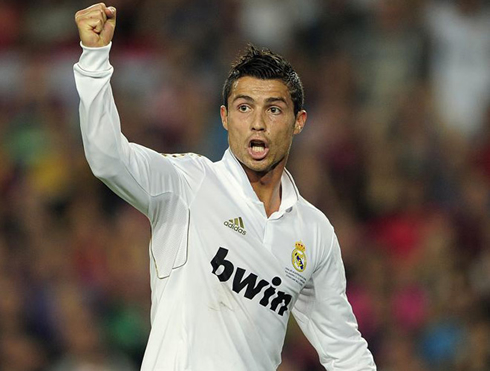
(243,108)
(275,110)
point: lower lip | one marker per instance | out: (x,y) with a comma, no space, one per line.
(258,155)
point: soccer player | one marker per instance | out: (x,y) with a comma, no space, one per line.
(235,249)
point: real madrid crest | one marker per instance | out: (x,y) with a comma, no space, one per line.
(298,257)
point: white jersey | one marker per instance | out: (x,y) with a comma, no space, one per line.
(224,276)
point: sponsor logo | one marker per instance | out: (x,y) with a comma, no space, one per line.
(250,285)
(236,224)
(298,257)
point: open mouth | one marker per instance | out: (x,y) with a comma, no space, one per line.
(257,149)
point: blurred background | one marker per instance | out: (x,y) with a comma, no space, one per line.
(396,153)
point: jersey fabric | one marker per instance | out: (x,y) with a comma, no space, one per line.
(224,276)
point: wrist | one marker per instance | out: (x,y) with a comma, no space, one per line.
(95,58)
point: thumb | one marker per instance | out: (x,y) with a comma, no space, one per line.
(107,32)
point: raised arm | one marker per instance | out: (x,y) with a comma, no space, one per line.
(135,173)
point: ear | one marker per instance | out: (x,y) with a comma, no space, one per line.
(224,117)
(300,122)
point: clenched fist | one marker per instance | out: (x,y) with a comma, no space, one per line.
(96,25)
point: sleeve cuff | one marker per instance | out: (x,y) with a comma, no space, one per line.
(95,59)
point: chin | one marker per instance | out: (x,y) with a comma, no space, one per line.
(256,166)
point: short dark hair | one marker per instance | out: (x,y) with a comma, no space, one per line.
(266,65)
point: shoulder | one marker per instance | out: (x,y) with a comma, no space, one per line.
(185,157)
(191,168)
(313,215)
(187,160)
(319,228)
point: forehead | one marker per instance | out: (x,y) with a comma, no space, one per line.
(259,89)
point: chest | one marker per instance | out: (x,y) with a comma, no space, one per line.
(243,246)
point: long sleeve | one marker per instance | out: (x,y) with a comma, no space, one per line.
(135,173)
(326,318)
(161,187)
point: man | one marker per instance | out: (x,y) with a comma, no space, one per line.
(234,248)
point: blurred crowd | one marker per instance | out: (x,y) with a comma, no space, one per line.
(396,152)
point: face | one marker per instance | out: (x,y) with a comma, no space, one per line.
(261,123)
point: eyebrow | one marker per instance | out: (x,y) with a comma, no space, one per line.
(242,96)
(276,99)
(268,100)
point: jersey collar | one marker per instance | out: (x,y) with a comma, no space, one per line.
(290,193)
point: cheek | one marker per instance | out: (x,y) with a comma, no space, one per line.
(234,135)
(286,138)
(285,130)
(232,132)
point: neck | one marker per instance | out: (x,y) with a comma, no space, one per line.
(267,187)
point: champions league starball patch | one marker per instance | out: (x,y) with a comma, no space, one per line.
(298,257)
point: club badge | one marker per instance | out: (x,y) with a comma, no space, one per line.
(298,257)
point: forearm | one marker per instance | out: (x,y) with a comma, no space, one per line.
(108,152)
(334,335)
(99,121)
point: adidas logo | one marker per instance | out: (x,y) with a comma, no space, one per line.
(236,224)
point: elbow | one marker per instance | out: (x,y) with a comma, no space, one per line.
(103,174)
(104,167)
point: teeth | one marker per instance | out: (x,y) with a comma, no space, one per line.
(257,148)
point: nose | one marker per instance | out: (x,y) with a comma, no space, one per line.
(258,122)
